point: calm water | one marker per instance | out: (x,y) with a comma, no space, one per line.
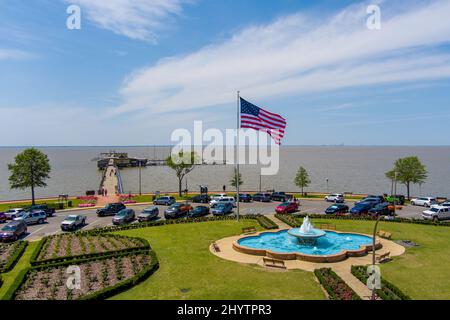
(331,243)
(349,169)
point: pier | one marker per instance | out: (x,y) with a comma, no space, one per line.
(111,183)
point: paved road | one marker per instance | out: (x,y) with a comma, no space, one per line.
(36,232)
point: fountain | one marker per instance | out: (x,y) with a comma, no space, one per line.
(307,234)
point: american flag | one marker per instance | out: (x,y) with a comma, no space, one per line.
(253,117)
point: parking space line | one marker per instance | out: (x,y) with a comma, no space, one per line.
(36,231)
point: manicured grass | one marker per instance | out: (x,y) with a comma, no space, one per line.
(24,262)
(422,272)
(7,206)
(189,271)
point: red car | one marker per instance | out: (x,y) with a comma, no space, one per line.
(2,217)
(287,207)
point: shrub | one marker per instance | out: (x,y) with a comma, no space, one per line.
(387,292)
(336,288)
(266,223)
(18,249)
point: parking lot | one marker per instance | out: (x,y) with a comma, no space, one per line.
(36,232)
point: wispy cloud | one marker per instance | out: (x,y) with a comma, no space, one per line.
(299,54)
(140,20)
(13,54)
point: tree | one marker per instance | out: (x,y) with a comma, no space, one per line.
(409,171)
(235,179)
(183,163)
(30,170)
(302,179)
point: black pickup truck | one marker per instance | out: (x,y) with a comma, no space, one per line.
(279,196)
(50,212)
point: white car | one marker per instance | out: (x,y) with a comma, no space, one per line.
(424,201)
(11,214)
(445,204)
(335,197)
(437,213)
(216,201)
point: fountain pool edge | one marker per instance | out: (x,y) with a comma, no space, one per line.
(341,256)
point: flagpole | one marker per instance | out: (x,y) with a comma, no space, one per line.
(238,125)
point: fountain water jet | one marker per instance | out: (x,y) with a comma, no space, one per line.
(307,234)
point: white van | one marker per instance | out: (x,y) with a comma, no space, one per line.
(437,213)
(218,200)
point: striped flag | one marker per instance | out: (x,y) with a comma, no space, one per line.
(253,117)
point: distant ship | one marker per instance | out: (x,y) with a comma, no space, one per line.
(121,159)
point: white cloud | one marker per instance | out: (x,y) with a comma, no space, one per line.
(136,19)
(13,54)
(299,54)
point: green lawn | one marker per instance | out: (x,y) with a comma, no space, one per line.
(24,262)
(423,272)
(187,265)
(7,206)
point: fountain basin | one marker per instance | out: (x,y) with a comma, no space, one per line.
(331,247)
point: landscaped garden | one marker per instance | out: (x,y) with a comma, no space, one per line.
(187,269)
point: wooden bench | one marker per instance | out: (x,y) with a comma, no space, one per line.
(215,247)
(327,226)
(384,234)
(273,263)
(249,230)
(380,258)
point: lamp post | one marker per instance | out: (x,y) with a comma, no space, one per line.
(327,185)
(140,179)
(374,297)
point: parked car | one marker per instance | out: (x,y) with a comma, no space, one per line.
(73,222)
(50,212)
(335,197)
(337,209)
(287,207)
(398,199)
(124,216)
(222,209)
(13,230)
(177,210)
(437,213)
(201,198)
(372,199)
(217,201)
(424,201)
(262,197)
(445,204)
(3,217)
(164,201)
(199,211)
(148,214)
(362,208)
(13,213)
(111,209)
(278,196)
(382,209)
(33,217)
(244,197)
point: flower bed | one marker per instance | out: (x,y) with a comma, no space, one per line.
(86,205)
(10,254)
(336,288)
(387,292)
(100,278)
(83,245)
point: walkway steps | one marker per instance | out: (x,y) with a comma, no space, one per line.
(353,282)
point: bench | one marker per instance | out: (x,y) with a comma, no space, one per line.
(380,258)
(249,230)
(215,247)
(327,226)
(273,263)
(384,234)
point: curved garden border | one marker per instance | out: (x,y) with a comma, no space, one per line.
(341,256)
(21,246)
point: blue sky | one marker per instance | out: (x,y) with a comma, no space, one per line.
(132,78)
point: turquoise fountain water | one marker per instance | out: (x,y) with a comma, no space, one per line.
(306,240)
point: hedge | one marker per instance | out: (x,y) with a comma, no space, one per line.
(262,220)
(101,294)
(387,292)
(20,249)
(1,280)
(293,221)
(35,262)
(336,288)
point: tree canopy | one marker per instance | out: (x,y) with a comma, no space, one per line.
(235,179)
(409,170)
(302,179)
(182,163)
